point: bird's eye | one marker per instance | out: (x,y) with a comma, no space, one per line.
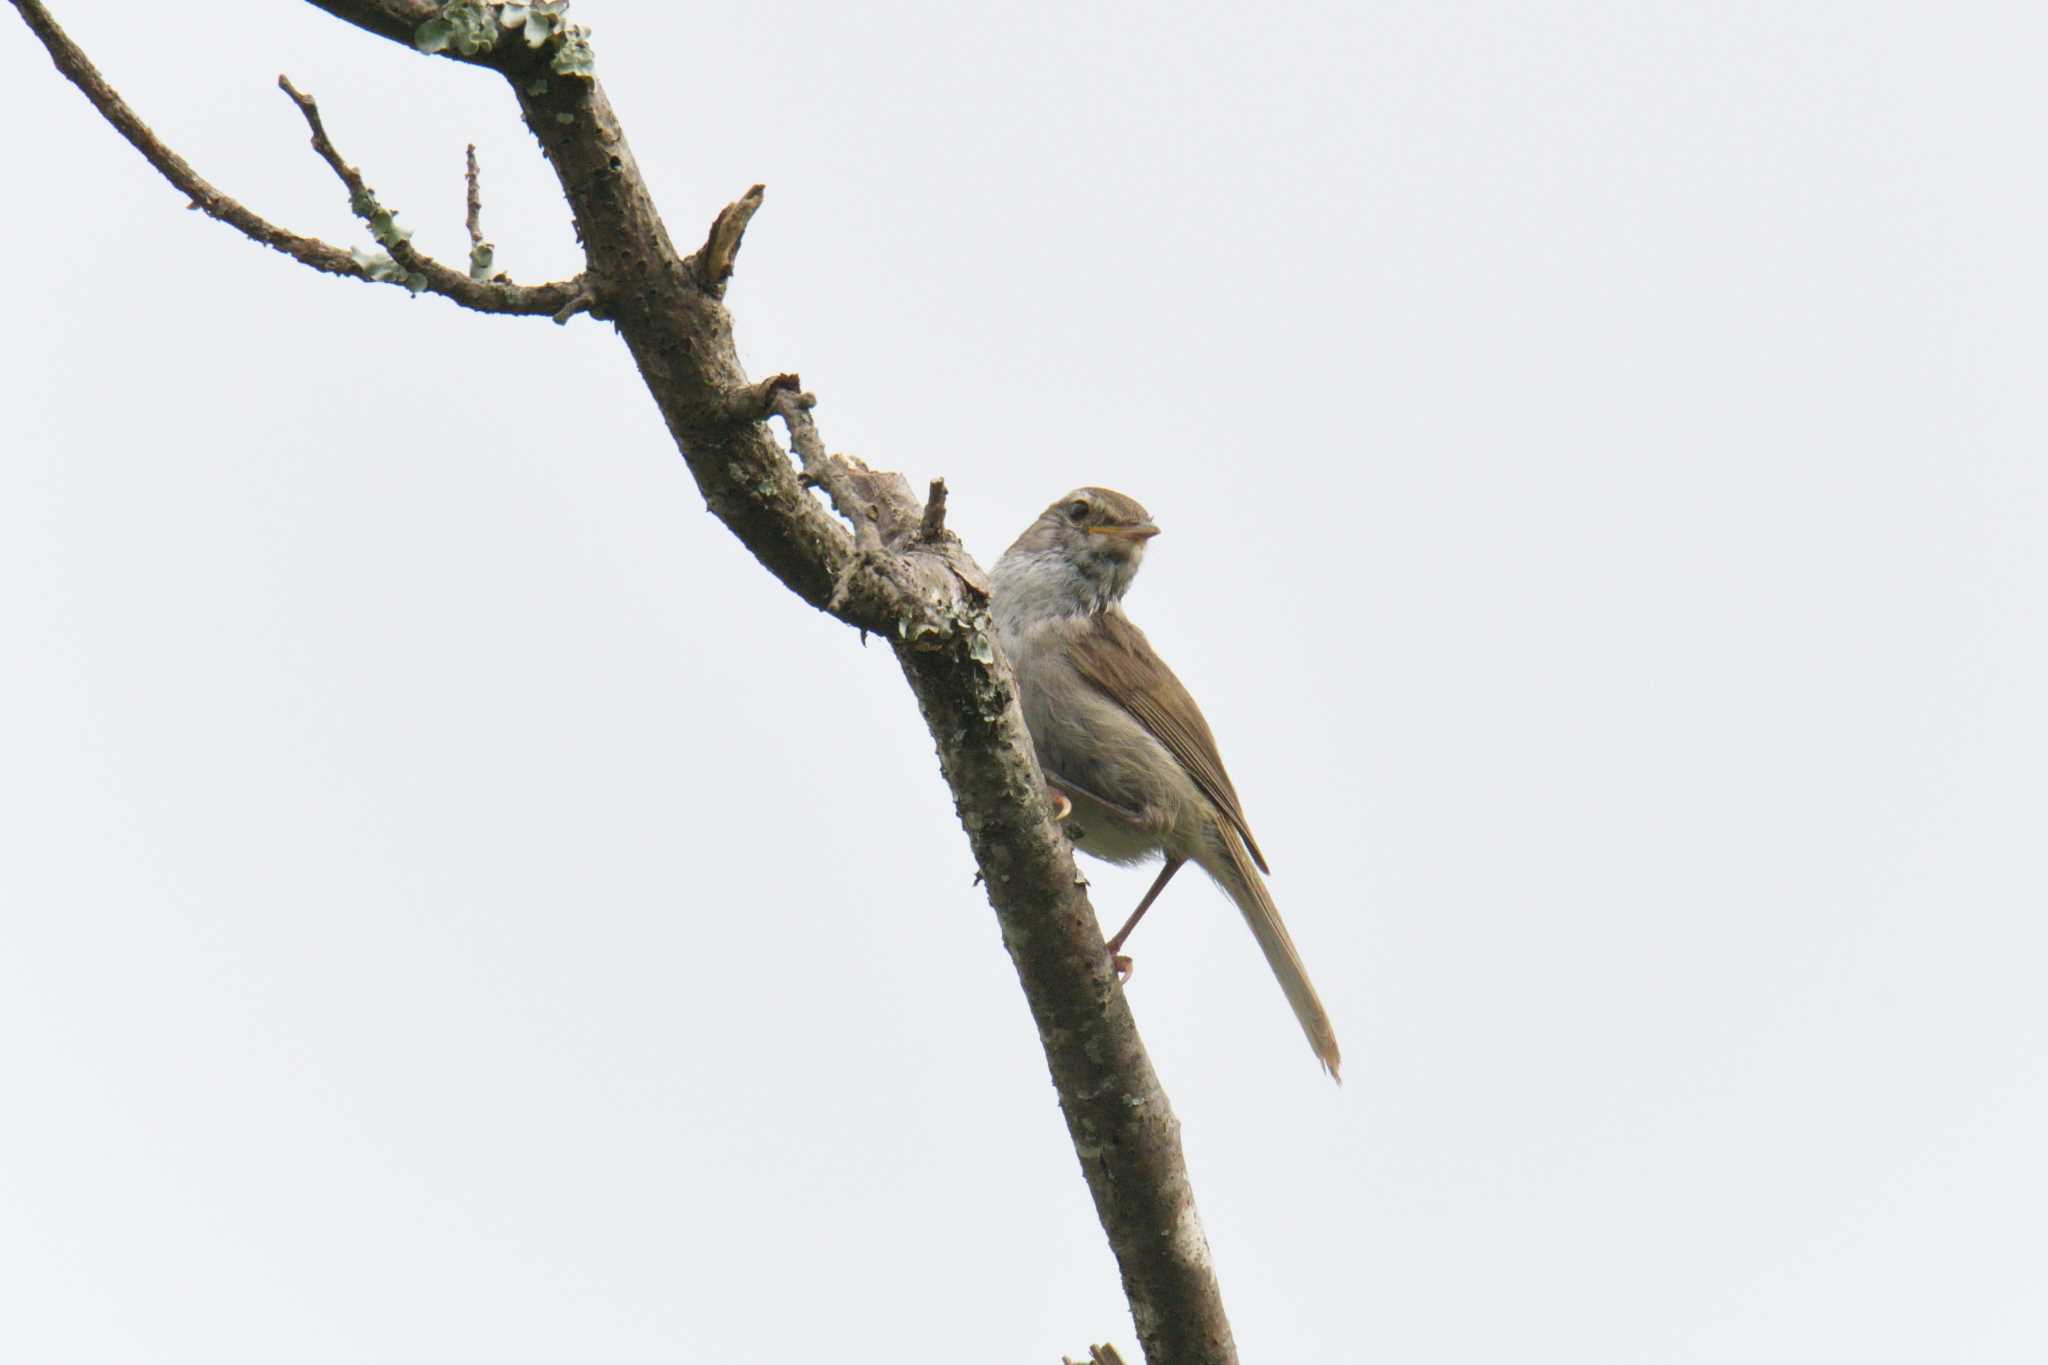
(1078,508)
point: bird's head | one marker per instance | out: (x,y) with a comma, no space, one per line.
(1099,535)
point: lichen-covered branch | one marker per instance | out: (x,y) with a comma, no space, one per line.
(879,559)
(481,253)
(484,296)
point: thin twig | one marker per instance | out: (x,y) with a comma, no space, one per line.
(361,198)
(473,217)
(481,252)
(563,300)
(82,73)
(321,142)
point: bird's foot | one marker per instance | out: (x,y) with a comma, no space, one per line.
(1061,807)
(1122,966)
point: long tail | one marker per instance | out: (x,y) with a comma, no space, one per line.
(1233,871)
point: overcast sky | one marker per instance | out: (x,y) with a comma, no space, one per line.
(455,906)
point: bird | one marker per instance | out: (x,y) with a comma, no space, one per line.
(1124,748)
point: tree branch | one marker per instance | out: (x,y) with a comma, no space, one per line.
(884,565)
(472,199)
(482,296)
(397,20)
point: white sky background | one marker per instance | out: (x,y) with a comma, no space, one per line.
(457,907)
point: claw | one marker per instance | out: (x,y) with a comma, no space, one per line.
(1061,807)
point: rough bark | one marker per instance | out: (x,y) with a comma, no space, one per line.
(884,564)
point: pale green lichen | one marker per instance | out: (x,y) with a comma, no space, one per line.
(472,26)
(468,26)
(541,22)
(383,223)
(538,22)
(378,266)
(575,57)
(385,227)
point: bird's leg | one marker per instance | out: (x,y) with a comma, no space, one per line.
(1117,960)
(1147,818)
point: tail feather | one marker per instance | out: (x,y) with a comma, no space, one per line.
(1232,869)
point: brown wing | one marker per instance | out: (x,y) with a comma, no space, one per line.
(1114,655)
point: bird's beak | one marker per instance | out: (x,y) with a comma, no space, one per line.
(1142,532)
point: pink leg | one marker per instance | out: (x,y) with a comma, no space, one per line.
(1120,962)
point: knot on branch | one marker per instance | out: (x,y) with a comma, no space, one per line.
(712,263)
(758,402)
(931,528)
(584,300)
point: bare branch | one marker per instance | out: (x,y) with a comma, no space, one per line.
(322,143)
(473,199)
(482,296)
(423,272)
(204,197)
